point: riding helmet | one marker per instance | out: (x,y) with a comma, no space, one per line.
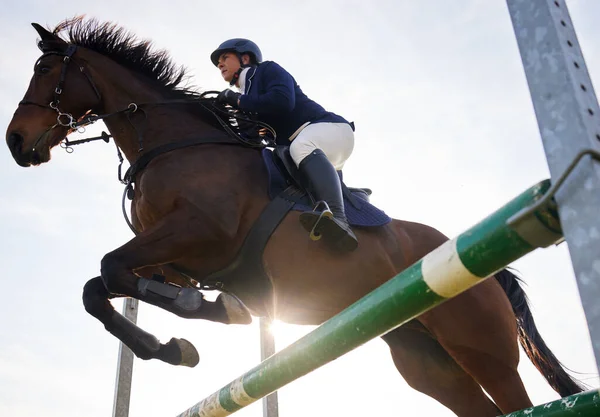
(239,45)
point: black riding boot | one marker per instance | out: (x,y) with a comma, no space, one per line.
(323,183)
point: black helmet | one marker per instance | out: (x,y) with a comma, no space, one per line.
(239,45)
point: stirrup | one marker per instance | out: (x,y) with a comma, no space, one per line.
(314,234)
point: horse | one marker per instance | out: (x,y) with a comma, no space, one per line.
(198,194)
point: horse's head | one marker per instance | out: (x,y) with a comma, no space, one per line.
(60,92)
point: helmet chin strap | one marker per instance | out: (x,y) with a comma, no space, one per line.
(236,76)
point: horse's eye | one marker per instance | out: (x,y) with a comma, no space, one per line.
(42,69)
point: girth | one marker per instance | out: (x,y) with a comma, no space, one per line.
(246,273)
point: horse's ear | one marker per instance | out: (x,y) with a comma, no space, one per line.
(49,41)
(44,33)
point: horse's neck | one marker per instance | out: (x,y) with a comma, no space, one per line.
(151,125)
(155,126)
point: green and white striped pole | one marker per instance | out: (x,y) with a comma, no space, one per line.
(454,267)
(584,404)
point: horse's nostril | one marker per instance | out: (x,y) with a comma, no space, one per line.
(14,141)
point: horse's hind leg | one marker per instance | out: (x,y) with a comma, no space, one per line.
(478,329)
(428,368)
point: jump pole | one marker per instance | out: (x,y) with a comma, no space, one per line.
(584,404)
(568,117)
(454,267)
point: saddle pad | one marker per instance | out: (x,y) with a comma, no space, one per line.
(358,211)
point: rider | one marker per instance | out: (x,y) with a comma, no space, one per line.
(320,141)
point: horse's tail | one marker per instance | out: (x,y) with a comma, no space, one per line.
(531,341)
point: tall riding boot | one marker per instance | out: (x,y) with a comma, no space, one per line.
(323,183)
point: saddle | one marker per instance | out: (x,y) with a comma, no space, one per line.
(284,175)
(246,273)
(287,167)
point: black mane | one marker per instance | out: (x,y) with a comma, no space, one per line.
(126,49)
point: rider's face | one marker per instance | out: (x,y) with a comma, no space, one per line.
(229,64)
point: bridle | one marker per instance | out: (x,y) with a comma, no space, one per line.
(64,118)
(232,123)
(228,120)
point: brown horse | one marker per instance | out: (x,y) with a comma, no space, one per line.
(193,207)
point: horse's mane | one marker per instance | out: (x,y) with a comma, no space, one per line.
(126,49)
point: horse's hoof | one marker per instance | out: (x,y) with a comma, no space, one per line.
(237,313)
(179,352)
(189,354)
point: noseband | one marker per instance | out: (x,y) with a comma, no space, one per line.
(66,119)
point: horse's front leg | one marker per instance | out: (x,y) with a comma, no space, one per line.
(161,244)
(143,344)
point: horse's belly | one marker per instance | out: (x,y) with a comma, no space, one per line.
(312,283)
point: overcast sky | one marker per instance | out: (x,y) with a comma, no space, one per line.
(446,134)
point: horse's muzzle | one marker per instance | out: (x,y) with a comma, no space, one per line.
(15,144)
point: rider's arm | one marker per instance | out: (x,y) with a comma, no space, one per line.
(279,96)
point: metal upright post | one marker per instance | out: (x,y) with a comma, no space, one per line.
(267,348)
(125,366)
(569,122)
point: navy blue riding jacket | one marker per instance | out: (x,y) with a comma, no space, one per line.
(274,95)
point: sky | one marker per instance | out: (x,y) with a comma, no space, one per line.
(446,134)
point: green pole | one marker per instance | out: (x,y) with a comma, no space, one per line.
(585,404)
(454,267)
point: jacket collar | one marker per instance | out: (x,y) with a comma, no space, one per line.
(241,82)
(248,79)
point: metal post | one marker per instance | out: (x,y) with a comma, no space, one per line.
(569,121)
(125,366)
(267,348)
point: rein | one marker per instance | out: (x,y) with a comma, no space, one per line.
(240,127)
(234,122)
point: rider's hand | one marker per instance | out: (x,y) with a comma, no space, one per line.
(229,97)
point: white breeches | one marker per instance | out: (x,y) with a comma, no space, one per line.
(336,140)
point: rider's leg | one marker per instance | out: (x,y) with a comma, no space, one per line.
(336,140)
(319,150)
